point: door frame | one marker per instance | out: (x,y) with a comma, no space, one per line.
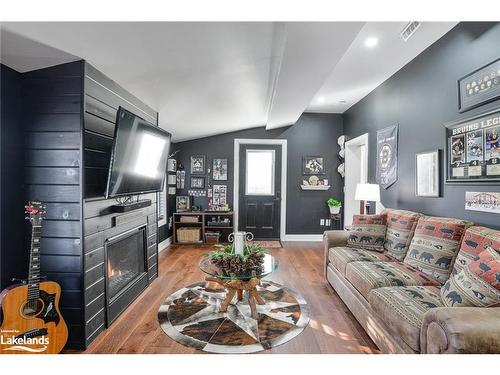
(244,141)
(362,140)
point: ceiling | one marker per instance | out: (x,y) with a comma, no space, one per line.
(216,77)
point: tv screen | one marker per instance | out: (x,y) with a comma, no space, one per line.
(139,156)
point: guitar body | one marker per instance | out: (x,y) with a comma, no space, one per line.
(36,327)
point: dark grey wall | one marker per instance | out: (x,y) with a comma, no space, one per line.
(421,97)
(313,134)
(13,260)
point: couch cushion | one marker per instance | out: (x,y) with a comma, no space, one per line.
(400,228)
(340,256)
(367,232)
(478,284)
(435,245)
(476,239)
(365,276)
(402,310)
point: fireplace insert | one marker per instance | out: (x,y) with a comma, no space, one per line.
(126,270)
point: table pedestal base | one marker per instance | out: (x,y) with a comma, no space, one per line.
(236,287)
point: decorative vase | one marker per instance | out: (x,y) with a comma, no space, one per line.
(334,209)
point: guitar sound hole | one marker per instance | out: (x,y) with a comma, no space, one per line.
(32,308)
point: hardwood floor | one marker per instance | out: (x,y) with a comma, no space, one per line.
(332,328)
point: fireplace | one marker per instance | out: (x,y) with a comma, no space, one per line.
(126,270)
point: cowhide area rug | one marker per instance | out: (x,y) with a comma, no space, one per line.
(191,317)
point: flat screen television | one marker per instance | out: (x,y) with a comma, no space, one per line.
(139,156)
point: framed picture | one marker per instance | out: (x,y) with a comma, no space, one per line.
(219,168)
(172,165)
(219,195)
(479,87)
(197,164)
(427,174)
(172,179)
(482,201)
(172,190)
(313,165)
(182,203)
(473,149)
(197,182)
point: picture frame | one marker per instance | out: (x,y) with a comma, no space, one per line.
(479,87)
(197,182)
(171,165)
(473,149)
(219,169)
(171,179)
(313,165)
(172,190)
(428,174)
(197,164)
(182,203)
(219,194)
(482,201)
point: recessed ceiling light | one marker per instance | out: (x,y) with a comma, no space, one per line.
(371,42)
(321,99)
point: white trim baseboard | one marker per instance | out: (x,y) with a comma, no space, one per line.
(164,244)
(303,237)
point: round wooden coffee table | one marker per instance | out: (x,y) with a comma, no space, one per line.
(237,285)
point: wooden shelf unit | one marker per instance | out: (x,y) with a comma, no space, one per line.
(203,219)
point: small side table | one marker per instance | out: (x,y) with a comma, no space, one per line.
(336,221)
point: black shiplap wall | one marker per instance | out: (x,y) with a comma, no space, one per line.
(53,108)
(312,134)
(13,259)
(421,97)
(102,99)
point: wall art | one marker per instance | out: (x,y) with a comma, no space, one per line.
(479,87)
(387,156)
(219,194)
(473,149)
(313,165)
(482,201)
(427,176)
(197,164)
(197,182)
(182,203)
(219,167)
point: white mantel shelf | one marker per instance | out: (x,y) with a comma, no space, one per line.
(317,187)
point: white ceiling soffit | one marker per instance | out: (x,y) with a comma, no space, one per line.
(24,55)
(362,69)
(310,53)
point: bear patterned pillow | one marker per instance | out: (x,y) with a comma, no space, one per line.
(367,232)
(477,284)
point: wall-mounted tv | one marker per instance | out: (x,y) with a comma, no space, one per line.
(139,156)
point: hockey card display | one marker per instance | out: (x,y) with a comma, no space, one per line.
(219,169)
(387,156)
(219,194)
(479,87)
(473,149)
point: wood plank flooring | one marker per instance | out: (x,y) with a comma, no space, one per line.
(332,328)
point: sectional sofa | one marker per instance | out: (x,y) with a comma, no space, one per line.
(419,284)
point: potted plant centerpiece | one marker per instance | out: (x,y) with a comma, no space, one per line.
(231,263)
(334,205)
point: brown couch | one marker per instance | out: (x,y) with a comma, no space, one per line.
(400,308)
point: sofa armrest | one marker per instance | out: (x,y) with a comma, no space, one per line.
(333,238)
(461,330)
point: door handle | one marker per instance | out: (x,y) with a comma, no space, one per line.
(278,196)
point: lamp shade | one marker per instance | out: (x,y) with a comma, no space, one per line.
(367,192)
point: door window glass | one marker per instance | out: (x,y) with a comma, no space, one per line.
(259,172)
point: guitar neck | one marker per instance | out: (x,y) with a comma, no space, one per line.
(34,270)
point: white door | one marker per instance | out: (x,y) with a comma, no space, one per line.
(356,171)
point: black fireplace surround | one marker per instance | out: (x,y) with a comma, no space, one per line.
(126,270)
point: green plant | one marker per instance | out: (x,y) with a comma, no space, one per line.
(231,263)
(333,203)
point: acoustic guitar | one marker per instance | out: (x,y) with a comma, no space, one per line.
(32,322)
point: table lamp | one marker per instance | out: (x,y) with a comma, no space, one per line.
(366,193)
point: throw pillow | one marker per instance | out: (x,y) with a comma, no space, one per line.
(400,229)
(476,239)
(367,232)
(477,284)
(435,245)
